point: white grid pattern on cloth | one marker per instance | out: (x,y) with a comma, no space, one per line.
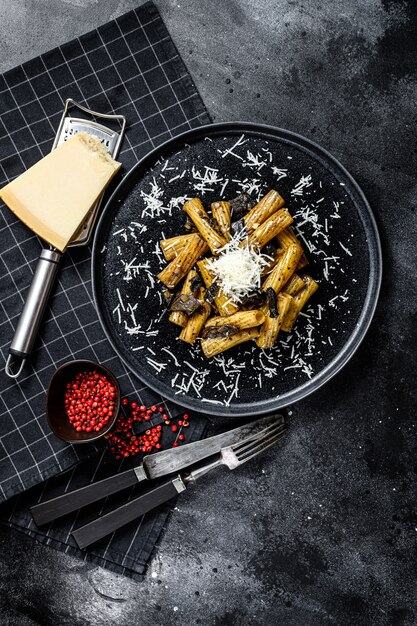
(45,71)
(126,552)
(28,452)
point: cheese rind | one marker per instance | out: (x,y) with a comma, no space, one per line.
(54,196)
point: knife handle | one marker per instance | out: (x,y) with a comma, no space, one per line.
(33,310)
(73,500)
(106,524)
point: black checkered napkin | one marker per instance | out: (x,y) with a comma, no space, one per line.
(128,66)
(128,550)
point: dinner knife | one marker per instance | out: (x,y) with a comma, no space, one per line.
(231,456)
(153,466)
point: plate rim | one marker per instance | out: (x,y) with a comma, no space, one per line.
(355,338)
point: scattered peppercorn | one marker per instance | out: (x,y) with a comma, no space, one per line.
(124,442)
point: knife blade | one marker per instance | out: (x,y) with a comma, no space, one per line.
(153,466)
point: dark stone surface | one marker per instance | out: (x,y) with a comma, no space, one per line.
(323,530)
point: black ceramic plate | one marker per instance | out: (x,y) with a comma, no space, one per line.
(334,222)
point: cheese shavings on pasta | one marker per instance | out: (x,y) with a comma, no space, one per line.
(237,270)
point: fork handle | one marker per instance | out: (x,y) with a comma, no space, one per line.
(106,524)
(191,477)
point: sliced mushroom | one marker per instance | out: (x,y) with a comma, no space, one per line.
(220,332)
(254,300)
(272,302)
(186,303)
(168,297)
(241,205)
(211,293)
(237,227)
(196,283)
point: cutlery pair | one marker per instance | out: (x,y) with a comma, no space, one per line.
(233,448)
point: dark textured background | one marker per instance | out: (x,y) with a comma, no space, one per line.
(324,529)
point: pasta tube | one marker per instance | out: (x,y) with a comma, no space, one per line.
(269,229)
(173,246)
(263,210)
(211,347)
(181,265)
(298,302)
(221,212)
(268,268)
(206,275)
(284,268)
(294,285)
(178,317)
(197,214)
(270,328)
(223,303)
(242,319)
(196,321)
(287,237)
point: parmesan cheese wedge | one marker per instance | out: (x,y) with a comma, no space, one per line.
(54,196)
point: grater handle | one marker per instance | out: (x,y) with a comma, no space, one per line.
(33,310)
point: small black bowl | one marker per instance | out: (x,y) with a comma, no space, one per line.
(55,408)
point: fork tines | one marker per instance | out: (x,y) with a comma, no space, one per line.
(262,441)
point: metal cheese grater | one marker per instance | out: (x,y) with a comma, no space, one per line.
(48,264)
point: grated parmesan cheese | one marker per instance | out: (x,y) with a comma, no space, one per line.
(238,270)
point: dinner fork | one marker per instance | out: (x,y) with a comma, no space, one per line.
(232,457)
